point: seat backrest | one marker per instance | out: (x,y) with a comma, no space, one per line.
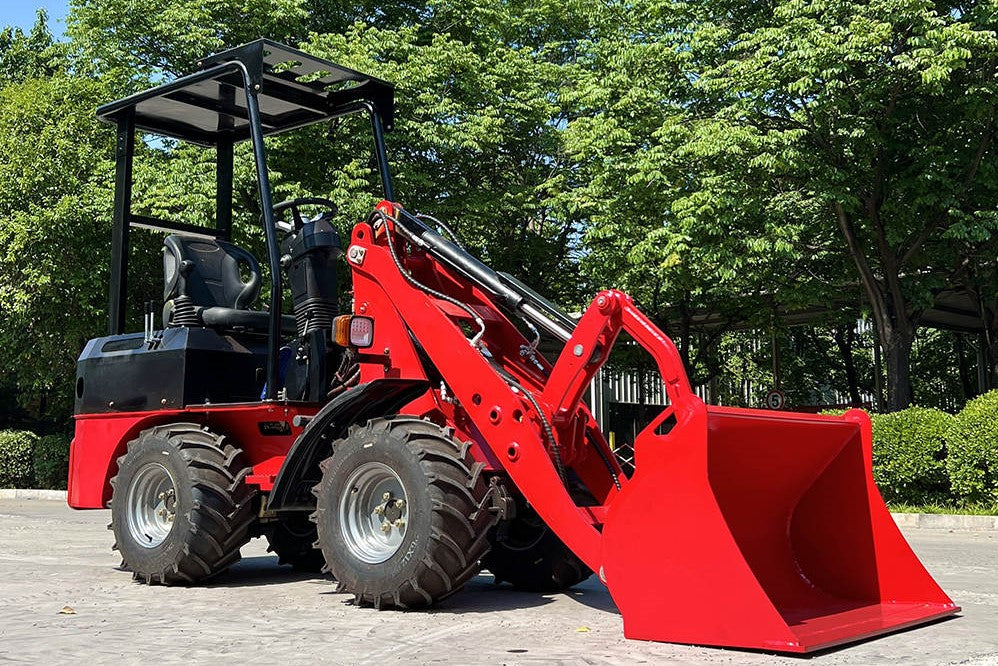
(208,271)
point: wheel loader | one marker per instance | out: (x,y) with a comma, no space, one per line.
(418,436)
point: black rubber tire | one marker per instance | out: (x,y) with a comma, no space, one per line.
(528,555)
(448,526)
(292,539)
(214,508)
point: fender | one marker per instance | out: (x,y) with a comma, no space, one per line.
(293,486)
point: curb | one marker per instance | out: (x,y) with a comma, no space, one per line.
(945,521)
(29,494)
(925,521)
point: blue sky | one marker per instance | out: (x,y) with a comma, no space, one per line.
(21,13)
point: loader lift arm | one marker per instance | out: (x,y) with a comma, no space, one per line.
(730,507)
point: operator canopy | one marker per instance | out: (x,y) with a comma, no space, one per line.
(294,89)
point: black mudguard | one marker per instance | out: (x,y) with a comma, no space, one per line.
(300,472)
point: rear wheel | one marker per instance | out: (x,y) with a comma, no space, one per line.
(527,554)
(180,510)
(399,513)
(292,539)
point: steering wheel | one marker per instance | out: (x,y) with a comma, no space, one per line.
(295,204)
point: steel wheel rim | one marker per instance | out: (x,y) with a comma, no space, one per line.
(373,513)
(152,505)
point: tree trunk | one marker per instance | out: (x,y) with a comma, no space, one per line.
(844,340)
(966,381)
(895,324)
(897,341)
(990,317)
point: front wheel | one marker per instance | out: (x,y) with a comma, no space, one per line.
(400,513)
(292,539)
(528,555)
(180,510)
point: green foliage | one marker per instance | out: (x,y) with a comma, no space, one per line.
(909,450)
(973,450)
(55,200)
(32,55)
(16,458)
(703,156)
(971,509)
(50,459)
(735,152)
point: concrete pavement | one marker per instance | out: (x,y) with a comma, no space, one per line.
(52,557)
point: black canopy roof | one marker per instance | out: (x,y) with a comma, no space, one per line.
(294,89)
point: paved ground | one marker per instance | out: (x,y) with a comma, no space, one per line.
(51,557)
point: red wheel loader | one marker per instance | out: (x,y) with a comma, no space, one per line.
(413,439)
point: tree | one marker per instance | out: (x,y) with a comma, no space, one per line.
(55,175)
(478,138)
(865,128)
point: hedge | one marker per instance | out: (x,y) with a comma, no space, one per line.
(973,451)
(16,464)
(909,455)
(51,462)
(920,456)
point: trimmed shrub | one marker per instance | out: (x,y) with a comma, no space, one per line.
(51,462)
(973,450)
(15,458)
(909,452)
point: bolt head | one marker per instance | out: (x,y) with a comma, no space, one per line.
(386,496)
(399,523)
(379,510)
(386,527)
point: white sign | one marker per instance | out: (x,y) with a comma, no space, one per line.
(775,399)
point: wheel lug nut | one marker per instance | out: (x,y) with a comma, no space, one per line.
(379,509)
(386,496)
(399,523)
(386,527)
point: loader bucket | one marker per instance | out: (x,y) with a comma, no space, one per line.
(757,529)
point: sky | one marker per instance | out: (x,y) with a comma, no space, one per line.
(21,13)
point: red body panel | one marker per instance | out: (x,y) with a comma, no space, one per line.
(100,439)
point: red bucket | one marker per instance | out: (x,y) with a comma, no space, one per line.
(756,529)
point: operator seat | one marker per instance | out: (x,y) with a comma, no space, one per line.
(204,286)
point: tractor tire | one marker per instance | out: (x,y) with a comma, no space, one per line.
(528,555)
(180,510)
(400,513)
(293,539)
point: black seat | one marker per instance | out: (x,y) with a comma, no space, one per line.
(204,286)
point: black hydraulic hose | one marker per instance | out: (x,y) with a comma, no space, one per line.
(456,257)
(548,432)
(422,287)
(442,225)
(545,424)
(606,461)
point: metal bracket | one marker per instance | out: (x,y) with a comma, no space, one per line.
(356,254)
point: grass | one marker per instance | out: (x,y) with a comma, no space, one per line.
(966,510)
